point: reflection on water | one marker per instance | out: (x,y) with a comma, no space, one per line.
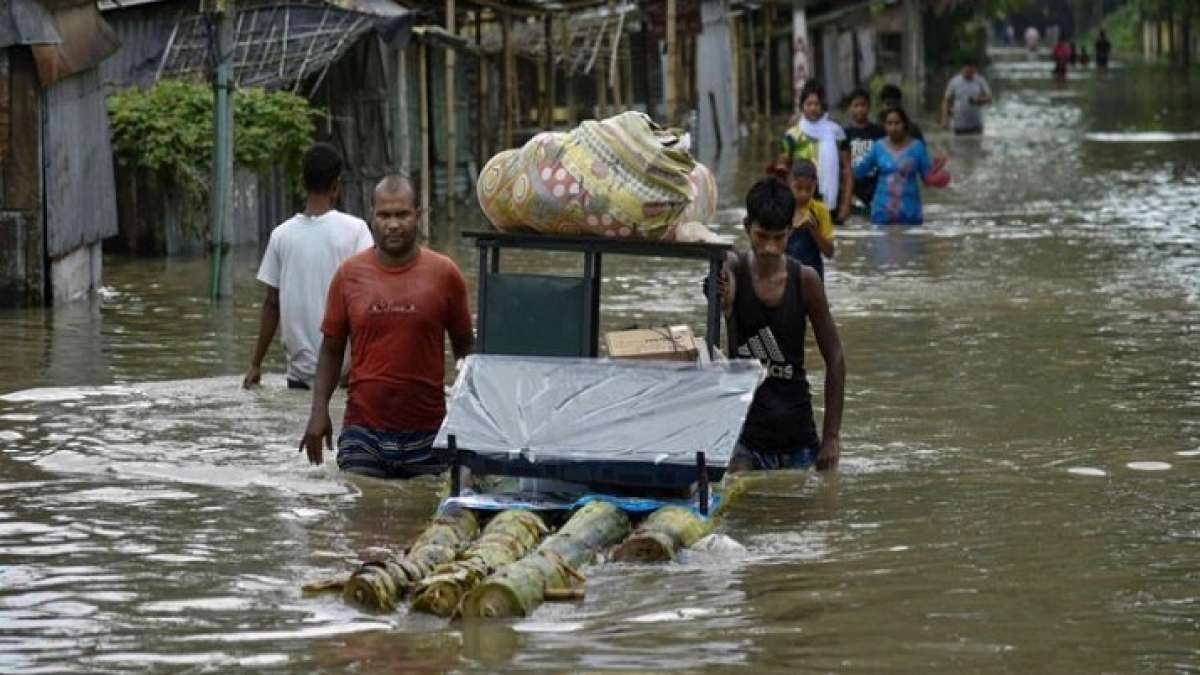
(1022,444)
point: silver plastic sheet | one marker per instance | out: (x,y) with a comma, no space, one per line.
(599,410)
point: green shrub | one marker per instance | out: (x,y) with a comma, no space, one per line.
(169,128)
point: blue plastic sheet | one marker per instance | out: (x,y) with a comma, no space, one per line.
(634,506)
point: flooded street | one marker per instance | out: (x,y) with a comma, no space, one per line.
(1018,491)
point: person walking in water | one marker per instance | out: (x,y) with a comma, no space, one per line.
(302,256)
(821,141)
(890,98)
(967,92)
(899,160)
(811,238)
(1032,38)
(395,304)
(768,299)
(862,133)
(1103,49)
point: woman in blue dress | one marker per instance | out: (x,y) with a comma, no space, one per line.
(900,161)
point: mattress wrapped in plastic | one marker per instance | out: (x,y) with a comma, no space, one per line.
(619,177)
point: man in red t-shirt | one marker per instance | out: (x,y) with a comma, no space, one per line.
(394,303)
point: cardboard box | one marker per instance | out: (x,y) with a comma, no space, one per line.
(669,343)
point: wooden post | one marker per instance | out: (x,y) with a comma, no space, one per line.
(735,72)
(601,79)
(510,67)
(568,74)
(627,70)
(481,98)
(614,69)
(768,12)
(754,111)
(548,123)
(672,92)
(426,172)
(399,89)
(451,118)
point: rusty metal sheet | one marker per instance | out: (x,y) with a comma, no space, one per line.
(86,41)
(80,192)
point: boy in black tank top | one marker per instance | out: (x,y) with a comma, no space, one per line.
(768,299)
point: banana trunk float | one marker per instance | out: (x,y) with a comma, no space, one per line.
(381,585)
(510,536)
(662,534)
(517,589)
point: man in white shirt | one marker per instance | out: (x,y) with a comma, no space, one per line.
(967,92)
(302,255)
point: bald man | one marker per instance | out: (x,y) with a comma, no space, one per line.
(394,304)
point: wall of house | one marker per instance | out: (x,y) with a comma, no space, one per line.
(22,225)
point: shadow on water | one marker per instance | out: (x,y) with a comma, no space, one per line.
(1022,447)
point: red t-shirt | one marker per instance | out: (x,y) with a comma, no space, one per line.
(397,318)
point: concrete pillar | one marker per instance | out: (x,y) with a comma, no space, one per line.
(76,275)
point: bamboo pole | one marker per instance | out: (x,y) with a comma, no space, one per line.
(627,70)
(510,113)
(568,72)
(614,71)
(451,118)
(735,71)
(601,91)
(423,100)
(754,112)
(403,151)
(768,10)
(481,95)
(550,73)
(672,65)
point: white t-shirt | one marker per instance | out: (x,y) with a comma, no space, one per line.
(961,91)
(301,257)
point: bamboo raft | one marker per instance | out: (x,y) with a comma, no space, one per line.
(513,564)
(503,553)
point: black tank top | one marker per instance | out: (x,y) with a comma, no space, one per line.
(780,418)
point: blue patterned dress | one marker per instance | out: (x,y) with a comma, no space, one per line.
(897,194)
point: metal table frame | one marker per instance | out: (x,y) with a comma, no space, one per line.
(593,250)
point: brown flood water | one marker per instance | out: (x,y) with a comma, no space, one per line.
(1018,491)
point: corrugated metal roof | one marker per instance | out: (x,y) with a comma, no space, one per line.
(143,31)
(27,23)
(382,8)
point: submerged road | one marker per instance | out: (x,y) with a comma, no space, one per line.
(1018,489)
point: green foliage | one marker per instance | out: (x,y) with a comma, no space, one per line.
(956,36)
(1123,28)
(169,128)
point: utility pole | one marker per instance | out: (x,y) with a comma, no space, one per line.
(220,281)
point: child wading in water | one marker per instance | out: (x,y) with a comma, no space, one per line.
(811,235)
